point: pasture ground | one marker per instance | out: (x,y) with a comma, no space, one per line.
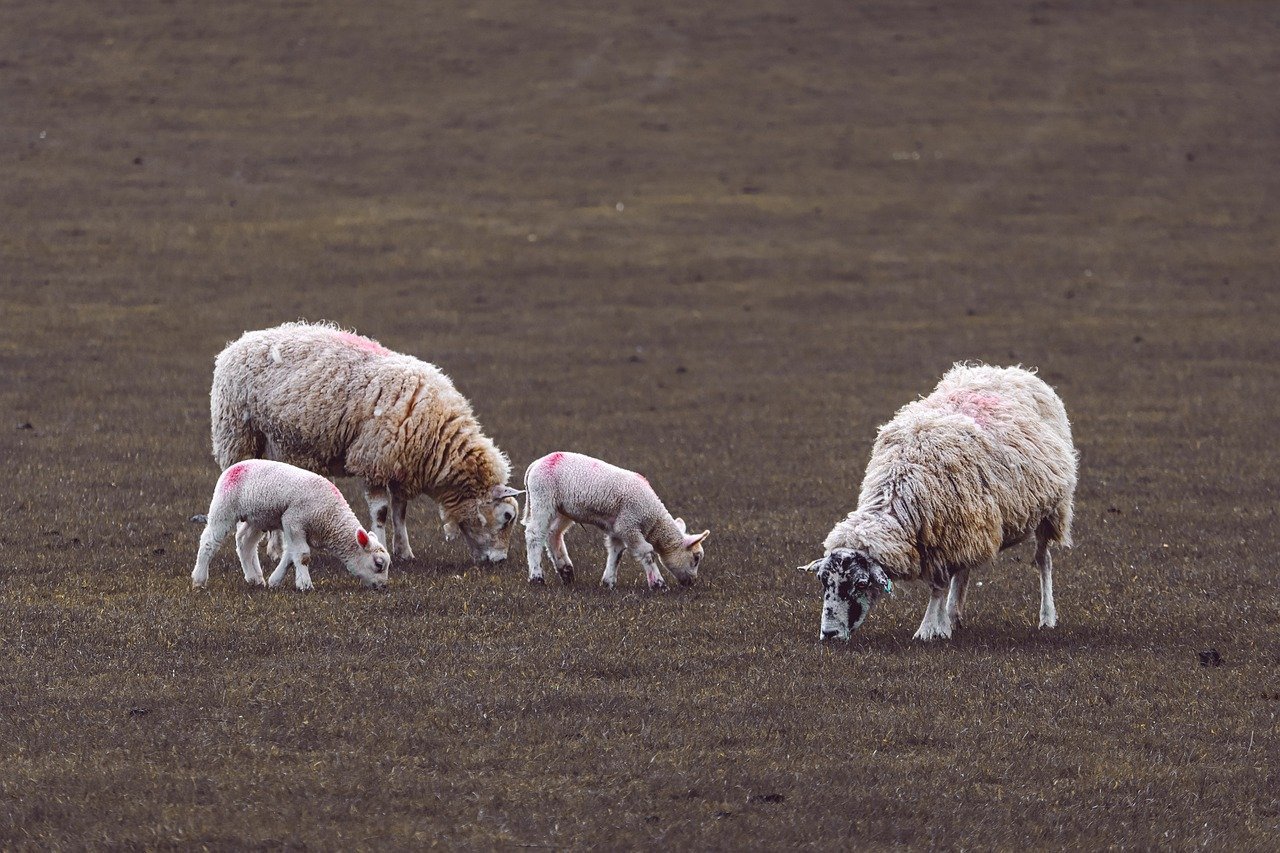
(714,243)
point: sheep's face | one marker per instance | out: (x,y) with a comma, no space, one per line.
(371,561)
(487,529)
(684,561)
(851,583)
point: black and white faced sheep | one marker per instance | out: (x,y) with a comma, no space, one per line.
(340,404)
(981,464)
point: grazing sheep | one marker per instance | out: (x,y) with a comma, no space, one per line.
(568,487)
(979,465)
(336,403)
(258,496)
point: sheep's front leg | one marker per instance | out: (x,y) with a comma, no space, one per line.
(214,532)
(247,539)
(955,601)
(1048,613)
(379,500)
(400,546)
(642,551)
(935,625)
(616,547)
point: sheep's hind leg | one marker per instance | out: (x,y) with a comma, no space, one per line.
(247,539)
(935,625)
(400,545)
(1044,561)
(956,599)
(556,547)
(215,530)
(378,499)
(535,542)
(616,547)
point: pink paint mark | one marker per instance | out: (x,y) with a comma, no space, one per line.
(334,487)
(980,406)
(234,475)
(644,478)
(552,462)
(362,343)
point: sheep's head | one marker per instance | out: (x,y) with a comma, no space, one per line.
(684,560)
(371,560)
(486,526)
(852,582)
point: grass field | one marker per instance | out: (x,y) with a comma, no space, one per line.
(717,244)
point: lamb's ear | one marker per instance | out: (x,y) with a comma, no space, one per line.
(362,538)
(680,524)
(690,541)
(499,493)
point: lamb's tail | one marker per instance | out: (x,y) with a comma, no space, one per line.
(200,518)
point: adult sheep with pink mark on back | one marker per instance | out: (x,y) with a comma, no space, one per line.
(980,465)
(340,404)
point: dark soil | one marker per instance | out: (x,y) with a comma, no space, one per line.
(718,244)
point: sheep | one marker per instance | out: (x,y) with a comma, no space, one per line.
(564,488)
(336,403)
(257,496)
(978,466)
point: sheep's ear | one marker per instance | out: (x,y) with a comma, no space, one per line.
(690,541)
(499,493)
(680,524)
(362,538)
(880,579)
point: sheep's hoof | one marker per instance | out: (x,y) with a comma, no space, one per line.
(660,586)
(538,581)
(566,574)
(608,584)
(259,581)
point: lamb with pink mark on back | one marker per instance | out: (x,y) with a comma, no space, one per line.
(980,465)
(258,496)
(337,403)
(568,488)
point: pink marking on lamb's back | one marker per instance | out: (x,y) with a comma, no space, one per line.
(552,462)
(980,406)
(234,475)
(334,486)
(362,343)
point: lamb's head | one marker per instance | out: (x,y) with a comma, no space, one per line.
(685,559)
(486,524)
(852,582)
(370,561)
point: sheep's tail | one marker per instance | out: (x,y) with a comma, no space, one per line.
(200,518)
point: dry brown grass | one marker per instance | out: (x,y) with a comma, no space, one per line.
(1092,197)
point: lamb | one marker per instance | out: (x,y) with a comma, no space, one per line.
(337,403)
(257,496)
(978,466)
(564,488)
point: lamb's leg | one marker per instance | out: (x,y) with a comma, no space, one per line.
(277,576)
(400,546)
(935,626)
(556,547)
(295,544)
(615,546)
(247,539)
(215,530)
(955,601)
(275,545)
(535,541)
(379,500)
(642,551)
(1048,613)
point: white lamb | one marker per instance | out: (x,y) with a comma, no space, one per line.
(979,465)
(258,496)
(564,488)
(340,404)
